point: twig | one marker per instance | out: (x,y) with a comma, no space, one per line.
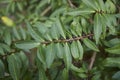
(67,40)
(71,4)
(92,60)
(46,10)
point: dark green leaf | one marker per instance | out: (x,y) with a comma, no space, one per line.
(114,50)
(2,69)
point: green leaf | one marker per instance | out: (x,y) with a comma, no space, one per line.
(65,74)
(80,12)
(102,5)
(41,55)
(114,50)
(33,33)
(116,76)
(59,50)
(80,48)
(54,32)
(82,75)
(97,27)
(112,62)
(76,69)
(16,33)
(90,44)
(67,56)
(14,67)
(50,55)
(90,4)
(2,69)
(74,50)
(60,27)
(27,44)
(23,33)
(42,28)
(1,51)
(5,47)
(24,62)
(7,37)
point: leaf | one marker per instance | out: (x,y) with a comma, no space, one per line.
(23,33)
(41,55)
(80,12)
(2,69)
(7,37)
(102,5)
(5,47)
(74,50)
(90,44)
(90,4)
(114,50)
(65,74)
(80,48)
(97,27)
(24,62)
(60,27)
(14,67)
(27,44)
(1,51)
(76,69)
(50,55)
(59,50)
(33,33)
(112,62)
(54,32)
(116,76)
(7,21)
(42,28)
(67,56)
(16,33)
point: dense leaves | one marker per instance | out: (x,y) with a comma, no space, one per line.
(59,40)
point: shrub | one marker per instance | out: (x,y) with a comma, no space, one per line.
(60,40)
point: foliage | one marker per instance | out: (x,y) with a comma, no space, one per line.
(59,40)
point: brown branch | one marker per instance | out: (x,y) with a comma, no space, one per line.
(46,10)
(67,40)
(71,4)
(92,61)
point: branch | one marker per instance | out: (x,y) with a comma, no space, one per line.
(46,10)
(92,60)
(71,4)
(67,40)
